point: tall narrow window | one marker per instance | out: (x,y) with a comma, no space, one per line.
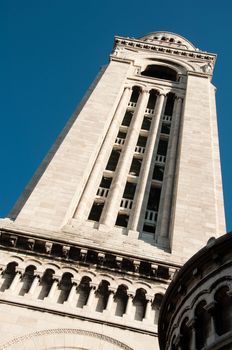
(113,160)
(129,191)
(154,198)
(127,118)
(152,100)
(135,166)
(96,210)
(146,123)
(162,148)
(135,94)
(170,104)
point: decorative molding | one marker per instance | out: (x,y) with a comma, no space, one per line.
(75,254)
(59,331)
(138,44)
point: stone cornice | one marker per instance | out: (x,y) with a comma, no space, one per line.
(16,241)
(184,53)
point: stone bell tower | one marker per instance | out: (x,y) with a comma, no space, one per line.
(130,191)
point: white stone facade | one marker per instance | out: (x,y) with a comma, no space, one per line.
(131,190)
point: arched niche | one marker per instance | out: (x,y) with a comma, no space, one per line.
(65,338)
(160,72)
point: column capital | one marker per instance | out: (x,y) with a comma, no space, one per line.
(128,87)
(179,98)
(93,285)
(130,294)
(145,90)
(112,290)
(56,278)
(163,93)
(149,298)
(19,270)
(210,306)
(38,274)
(75,281)
(191,323)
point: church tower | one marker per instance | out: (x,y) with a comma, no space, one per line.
(130,191)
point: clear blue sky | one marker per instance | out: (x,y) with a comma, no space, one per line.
(51,50)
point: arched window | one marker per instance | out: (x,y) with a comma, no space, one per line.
(9,275)
(121,299)
(169,104)
(156,305)
(185,334)
(160,72)
(102,294)
(46,283)
(223,311)
(173,346)
(27,279)
(83,291)
(152,99)
(139,303)
(135,94)
(202,325)
(65,286)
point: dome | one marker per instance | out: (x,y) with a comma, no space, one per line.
(168,39)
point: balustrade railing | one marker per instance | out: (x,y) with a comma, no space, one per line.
(132,104)
(139,149)
(149,111)
(102,192)
(119,141)
(167,118)
(160,159)
(151,217)
(126,203)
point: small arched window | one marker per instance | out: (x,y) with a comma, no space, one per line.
(160,72)
(223,310)
(135,94)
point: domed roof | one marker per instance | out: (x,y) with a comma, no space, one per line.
(168,39)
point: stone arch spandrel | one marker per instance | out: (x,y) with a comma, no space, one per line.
(64,339)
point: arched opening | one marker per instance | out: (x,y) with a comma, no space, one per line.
(173,346)
(121,299)
(65,286)
(156,305)
(127,118)
(160,72)
(135,94)
(139,303)
(46,283)
(9,275)
(185,335)
(202,325)
(169,104)
(223,311)
(152,99)
(102,295)
(83,291)
(27,279)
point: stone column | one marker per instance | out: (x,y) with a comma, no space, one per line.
(72,292)
(110,299)
(148,309)
(191,325)
(91,294)
(212,336)
(146,164)
(169,175)
(53,288)
(112,204)
(2,268)
(129,305)
(90,189)
(34,284)
(15,281)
